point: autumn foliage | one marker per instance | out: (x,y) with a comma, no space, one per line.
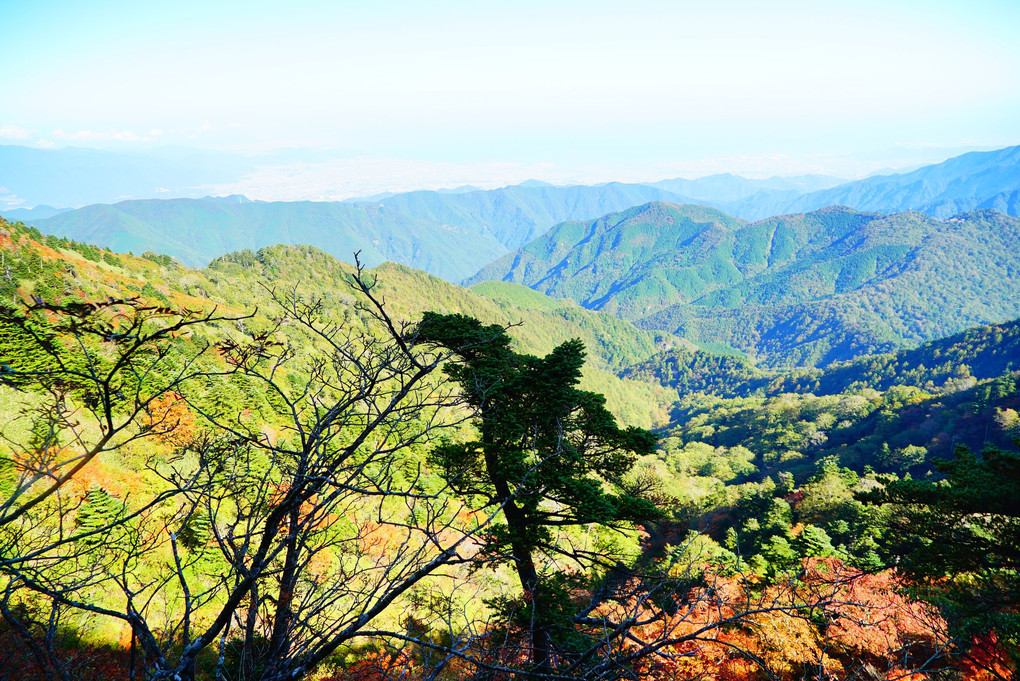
(171,421)
(378,666)
(861,626)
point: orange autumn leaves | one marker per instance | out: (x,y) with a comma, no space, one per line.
(171,421)
(833,622)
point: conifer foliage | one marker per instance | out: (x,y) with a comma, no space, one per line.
(546,453)
(960,540)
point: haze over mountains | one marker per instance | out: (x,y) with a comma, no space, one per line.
(449,235)
(74,176)
(454,233)
(815,285)
(971,181)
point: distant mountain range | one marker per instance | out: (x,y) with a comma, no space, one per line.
(450,235)
(805,289)
(973,181)
(30,215)
(453,233)
(76,177)
(809,286)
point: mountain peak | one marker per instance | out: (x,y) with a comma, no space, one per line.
(231,199)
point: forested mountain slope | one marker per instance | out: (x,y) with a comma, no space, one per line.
(806,289)
(758,495)
(979,353)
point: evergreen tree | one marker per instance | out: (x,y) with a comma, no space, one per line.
(960,539)
(196,532)
(544,454)
(99,509)
(813,541)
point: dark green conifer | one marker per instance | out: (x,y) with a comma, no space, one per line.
(547,454)
(99,509)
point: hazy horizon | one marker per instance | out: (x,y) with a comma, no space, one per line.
(332,101)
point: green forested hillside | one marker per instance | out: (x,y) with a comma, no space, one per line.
(237,280)
(978,353)
(793,290)
(893,412)
(630,263)
(898,430)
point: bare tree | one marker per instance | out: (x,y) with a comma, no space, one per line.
(87,376)
(265,550)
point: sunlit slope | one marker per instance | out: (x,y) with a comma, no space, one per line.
(805,289)
(610,342)
(243,282)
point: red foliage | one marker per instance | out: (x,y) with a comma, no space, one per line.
(861,626)
(378,667)
(986,661)
(77,661)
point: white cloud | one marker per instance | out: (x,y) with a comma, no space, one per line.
(14,132)
(10,202)
(344,178)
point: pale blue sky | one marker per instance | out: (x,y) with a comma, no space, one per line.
(583,90)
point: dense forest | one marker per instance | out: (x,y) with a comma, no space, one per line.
(284,467)
(793,290)
(960,360)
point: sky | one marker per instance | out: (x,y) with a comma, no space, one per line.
(393,95)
